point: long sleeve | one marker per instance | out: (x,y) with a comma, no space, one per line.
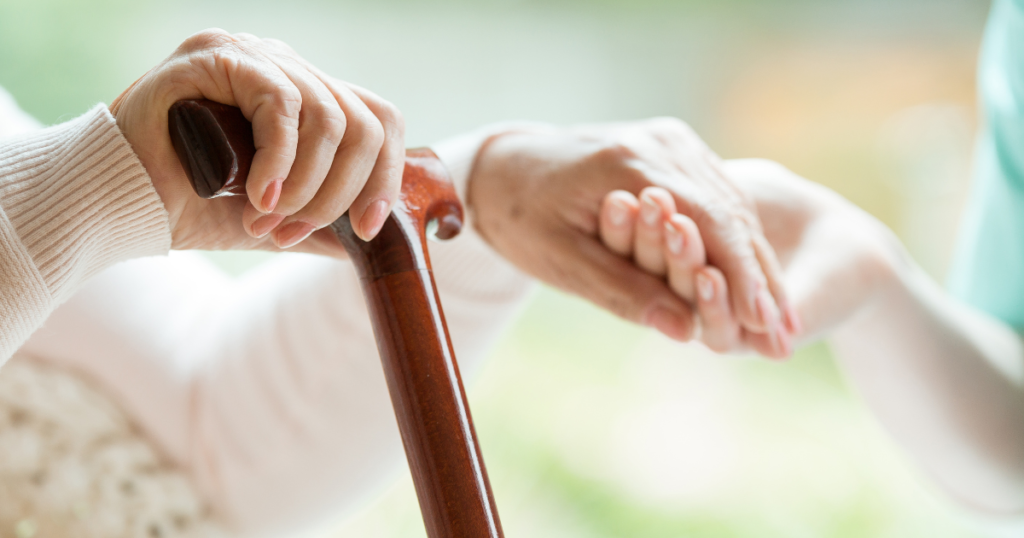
(267,390)
(74,200)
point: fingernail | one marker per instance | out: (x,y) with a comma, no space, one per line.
(271,196)
(781,345)
(767,310)
(705,288)
(649,211)
(373,219)
(667,322)
(793,322)
(674,239)
(773,336)
(292,233)
(262,226)
(617,213)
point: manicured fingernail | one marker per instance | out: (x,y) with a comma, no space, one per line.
(773,337)
(766,310)
(782,346)
(373,219)
(649,211)
(292,233)
(618,213)
(674,239)
(262,226)
(793,323)
(667,322)
(271,196)
(705,288)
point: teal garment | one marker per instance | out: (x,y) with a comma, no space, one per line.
(988,268)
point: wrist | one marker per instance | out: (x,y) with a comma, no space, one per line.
(886,270)
(472,162)
(80,200)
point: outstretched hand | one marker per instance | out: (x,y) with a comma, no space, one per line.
(835,259)
(668,244)
(536,197)
(323,146)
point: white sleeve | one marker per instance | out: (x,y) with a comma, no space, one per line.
(268,389)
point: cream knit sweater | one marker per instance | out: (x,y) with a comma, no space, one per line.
(159,397)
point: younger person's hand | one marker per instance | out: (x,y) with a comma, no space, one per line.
(648,230)
(323,146)
(535,195)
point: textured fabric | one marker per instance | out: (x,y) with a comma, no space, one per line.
(73,465)
(988,269)
(266,390)
(74,199)
(255,404)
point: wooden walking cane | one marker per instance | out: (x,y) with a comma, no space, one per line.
(215,145)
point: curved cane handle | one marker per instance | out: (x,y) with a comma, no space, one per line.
(214,144)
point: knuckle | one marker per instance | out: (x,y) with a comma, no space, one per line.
(619,161)
(286,100)
(713,213)
(371,133)
(615,153)
(391,115)
(730,219)
(331,123)
(206,39)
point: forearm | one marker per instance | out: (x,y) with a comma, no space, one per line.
(74,199)
(947,380)
(294,422)
(268,389)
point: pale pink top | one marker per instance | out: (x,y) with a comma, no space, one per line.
(266,390)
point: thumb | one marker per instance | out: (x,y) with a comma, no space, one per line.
(590,270)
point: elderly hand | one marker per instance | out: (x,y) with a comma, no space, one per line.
(835,258)
(536,197)
(323,146)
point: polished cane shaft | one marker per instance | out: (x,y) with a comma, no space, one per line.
(214,145)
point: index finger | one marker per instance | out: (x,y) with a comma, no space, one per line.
(233,72)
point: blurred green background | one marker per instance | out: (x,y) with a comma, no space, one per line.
(592,427)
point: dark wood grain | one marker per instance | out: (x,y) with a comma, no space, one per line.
(214,144)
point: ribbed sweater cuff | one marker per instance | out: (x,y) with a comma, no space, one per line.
(80,200)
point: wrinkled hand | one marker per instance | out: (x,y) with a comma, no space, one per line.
(323,146)
(668,244)
(835,258)
(536,197)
